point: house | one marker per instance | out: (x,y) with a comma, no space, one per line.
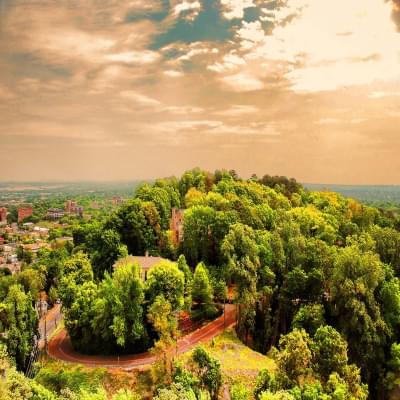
(176,225)
(24,212)
(55,213)
(13,267)
(3,216)
(70,206)
(41,231)
(35,247)
(145,262)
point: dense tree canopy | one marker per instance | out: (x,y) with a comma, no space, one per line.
(313,273)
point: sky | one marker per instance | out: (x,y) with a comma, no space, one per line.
(123,90)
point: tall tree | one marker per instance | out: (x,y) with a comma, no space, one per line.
(20,323)
(166,279)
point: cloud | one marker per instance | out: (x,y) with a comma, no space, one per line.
(379,95)
(328,121)
(329,45)
(242,82)
(196,49)
(218,82)
(229,62)
(184,110)
(137,57)
(396,12)
(6,94)
(190,10)
(173,73)
(140,99)
(235,8)
(238,110)
(250,33)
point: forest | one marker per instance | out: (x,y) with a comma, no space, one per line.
(314,276)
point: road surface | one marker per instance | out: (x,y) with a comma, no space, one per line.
(60,346)
(48,323)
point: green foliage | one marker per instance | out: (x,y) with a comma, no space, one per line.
(108,316)
(125,394)
(266,381)
(281,395)
(77,271)
(120,302)
(355,280)
(138,224)
(59,378)
(162,318)
(166,279)
(208,371)
(20,323)
(32,281)
(240,392)
(295,356)
(330,352)
(241,252)
(177,392)
(105,248)
(197,243)
(394,362)
(15,386)
(183,266)
(309,317)
(295,260)
(202,290)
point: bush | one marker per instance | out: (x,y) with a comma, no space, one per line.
(240,392)
(204,312)
(76,380)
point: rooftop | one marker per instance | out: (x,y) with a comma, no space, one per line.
(145,262)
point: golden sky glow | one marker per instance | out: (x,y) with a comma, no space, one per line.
(137,89)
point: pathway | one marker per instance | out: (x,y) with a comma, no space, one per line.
(60,347)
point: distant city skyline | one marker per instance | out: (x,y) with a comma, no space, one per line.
(135,90)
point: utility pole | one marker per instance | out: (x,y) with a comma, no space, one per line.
(224,313)
(45,333)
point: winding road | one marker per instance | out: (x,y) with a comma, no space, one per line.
(60,347)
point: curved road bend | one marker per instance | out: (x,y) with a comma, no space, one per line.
(60,346)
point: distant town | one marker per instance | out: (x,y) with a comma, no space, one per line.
(25,230)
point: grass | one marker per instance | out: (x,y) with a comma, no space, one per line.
(56,375)
(56,331)
(239,363)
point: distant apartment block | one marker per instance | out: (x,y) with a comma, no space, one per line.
(55,213)
(3,216)
(24,212)
(176,225)
(70,206)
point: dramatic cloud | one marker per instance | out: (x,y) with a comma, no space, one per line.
(137,89)
(190,10)
(235,8)
(328,45)
(396,12)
